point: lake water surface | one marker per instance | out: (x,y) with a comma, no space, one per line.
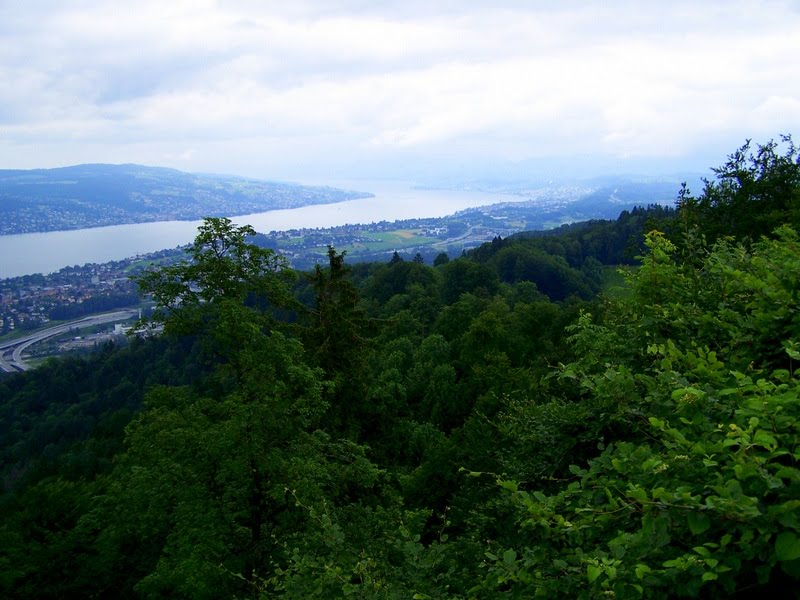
(47,252)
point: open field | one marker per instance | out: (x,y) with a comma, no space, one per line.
(390,240)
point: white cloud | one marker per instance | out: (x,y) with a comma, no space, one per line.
(330,83)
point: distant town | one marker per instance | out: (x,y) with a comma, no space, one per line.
(32,302)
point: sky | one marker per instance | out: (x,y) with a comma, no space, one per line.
(322,90)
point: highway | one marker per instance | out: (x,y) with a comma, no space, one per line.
(6,366)
(17,346)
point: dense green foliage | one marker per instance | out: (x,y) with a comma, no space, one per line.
(488,427)
(753,193)
(696,491)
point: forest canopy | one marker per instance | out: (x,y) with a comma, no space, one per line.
(506,424)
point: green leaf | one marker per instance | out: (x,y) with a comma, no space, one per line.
(791,567)
(638,494)
(698,522)
(509,556)
(689,391)
(511,486)
(641,571)
(650,464)
(709,576)
(787,546)
(746,470)
(592,572)
(765,440)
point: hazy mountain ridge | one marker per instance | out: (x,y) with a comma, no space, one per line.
(95,195)
(548,206)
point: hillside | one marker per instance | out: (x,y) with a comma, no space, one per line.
(488,427)
(97,195)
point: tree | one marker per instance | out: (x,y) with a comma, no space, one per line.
(210,488)
(227,293)
(337,338)
(692,491)
(441,259)
(222,267)
(464,275)
(753,193)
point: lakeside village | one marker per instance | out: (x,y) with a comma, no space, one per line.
(32,301)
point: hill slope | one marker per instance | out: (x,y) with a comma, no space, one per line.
(97,195)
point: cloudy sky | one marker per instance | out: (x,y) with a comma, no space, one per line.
(315,90)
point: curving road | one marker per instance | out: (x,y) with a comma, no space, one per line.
(17,346)
(5,365)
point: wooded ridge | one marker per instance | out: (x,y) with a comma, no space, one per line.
(500,425)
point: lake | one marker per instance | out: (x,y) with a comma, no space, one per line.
(29,253)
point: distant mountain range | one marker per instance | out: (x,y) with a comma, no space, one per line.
(96,195)
(547,207)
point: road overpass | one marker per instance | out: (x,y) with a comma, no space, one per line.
(15,348)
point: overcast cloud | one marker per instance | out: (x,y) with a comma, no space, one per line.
(315,90)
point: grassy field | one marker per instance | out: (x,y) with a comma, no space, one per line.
(390,240)
(140,265)
(295,241)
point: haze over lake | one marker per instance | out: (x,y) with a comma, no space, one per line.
(47,252)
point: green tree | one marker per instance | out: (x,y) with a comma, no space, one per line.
(228,289)
(694,491)
(337,338)
(205,497)
(466,276)
(221,265)
(441,259)
(754,192)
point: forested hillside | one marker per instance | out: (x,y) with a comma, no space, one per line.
(494,426)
